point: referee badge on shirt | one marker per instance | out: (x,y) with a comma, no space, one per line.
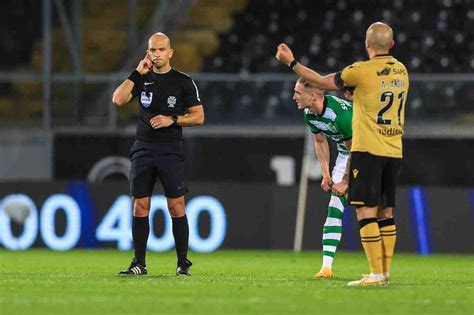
(146,98)
(171,101)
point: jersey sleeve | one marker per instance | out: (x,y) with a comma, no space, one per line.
(350,76)
(345,124)
(135,91)
(310,125)
(191,93)
(138,86)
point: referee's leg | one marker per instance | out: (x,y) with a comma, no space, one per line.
(177,211)
(140,227)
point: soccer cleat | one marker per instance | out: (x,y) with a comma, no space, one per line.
(386,280)
(135,269)
(367,280)
(183,268)
(325,272)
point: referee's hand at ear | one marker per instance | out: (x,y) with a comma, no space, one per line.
(145,65)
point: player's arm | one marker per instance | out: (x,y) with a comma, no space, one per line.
(123,93)
(285,56)
(321,147)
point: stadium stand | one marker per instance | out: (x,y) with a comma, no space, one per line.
(240,37)
(432,36)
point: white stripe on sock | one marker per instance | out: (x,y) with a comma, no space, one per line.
(329,248)
(327,261)
(332,236)
(335,202)
(333,222)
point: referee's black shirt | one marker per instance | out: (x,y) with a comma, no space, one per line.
(167,94)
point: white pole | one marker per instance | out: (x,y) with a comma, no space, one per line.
(302,193)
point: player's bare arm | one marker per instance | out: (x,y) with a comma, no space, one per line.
(123,93)
(285,56)
(322,152)
(194,117)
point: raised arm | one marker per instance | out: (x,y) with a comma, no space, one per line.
(285,56)
(123,93)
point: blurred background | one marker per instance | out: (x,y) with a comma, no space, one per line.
(64,146)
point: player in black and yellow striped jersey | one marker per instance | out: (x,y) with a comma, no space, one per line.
(381,86)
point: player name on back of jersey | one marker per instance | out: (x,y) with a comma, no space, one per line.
(396,83)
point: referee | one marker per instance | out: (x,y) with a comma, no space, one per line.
(169,100)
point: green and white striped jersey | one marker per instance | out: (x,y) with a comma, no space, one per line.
(335,121)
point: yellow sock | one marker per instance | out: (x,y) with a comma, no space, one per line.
(388,231)
(372,243)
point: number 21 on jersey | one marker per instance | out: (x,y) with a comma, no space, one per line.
(387,98)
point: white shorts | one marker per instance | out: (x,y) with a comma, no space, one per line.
(339,168)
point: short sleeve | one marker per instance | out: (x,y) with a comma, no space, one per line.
(310,125)
(191,93)
(349,76)
(135,91)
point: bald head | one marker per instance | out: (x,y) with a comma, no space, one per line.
(159,39)
(379,37)
(159,52)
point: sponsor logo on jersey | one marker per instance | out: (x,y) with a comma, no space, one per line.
(146,99)
(385,71)
(399,71)
(355,172)
(148,83)
(171,101)
(390,132)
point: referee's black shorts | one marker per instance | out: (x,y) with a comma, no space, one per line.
(152,160)
(373,180)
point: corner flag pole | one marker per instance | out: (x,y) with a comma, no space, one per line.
(302,193)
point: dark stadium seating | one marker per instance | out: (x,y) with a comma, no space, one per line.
(431,36)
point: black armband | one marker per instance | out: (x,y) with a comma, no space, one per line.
(293,64)
(338,81)
(134,76)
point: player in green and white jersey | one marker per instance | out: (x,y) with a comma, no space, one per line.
(328,117)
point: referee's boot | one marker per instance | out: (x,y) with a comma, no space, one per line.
(183,268)
(135,269)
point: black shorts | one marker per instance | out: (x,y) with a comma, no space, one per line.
(373,180)
(150,160)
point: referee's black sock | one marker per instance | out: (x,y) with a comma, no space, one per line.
(181,236)
(140,231)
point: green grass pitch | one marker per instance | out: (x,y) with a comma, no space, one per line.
(237,282)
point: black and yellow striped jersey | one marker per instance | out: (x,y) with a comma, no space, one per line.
(381,88)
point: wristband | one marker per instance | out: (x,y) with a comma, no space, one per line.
(134,76)
(293,64)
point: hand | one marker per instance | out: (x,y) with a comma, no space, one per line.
(284,54)
(145,65)
(161,121)
(326,183)
(340,189)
